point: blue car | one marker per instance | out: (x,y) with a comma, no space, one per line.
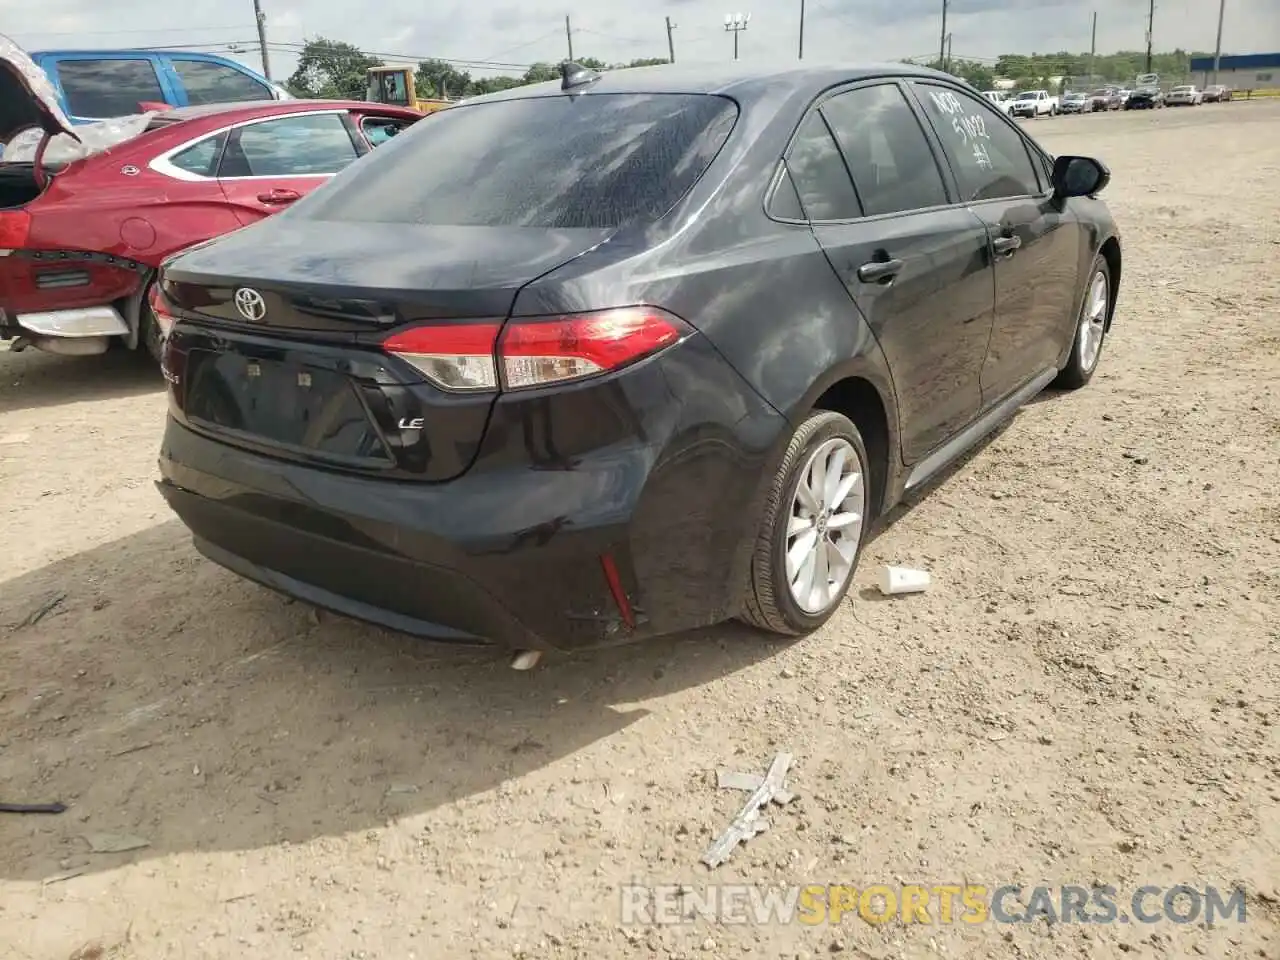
(97,84)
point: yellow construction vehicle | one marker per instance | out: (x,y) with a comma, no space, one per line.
(393,85)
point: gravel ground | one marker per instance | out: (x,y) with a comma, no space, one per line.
(1090,692)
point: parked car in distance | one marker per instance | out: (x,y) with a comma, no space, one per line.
(83,239)
(1000,99)
(97,84)
(1077,103)
(1217,93)
(1145,98)
(1123,94)
(1184,95)
(1106,98)
(636,352)
(1035,103)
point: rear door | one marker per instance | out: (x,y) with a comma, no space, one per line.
(96,87)
(268,164)
(914,264)
(1035,245)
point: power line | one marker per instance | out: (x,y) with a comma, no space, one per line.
(528,43)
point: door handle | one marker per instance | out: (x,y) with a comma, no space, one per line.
(1005,246)
(880,271)
(276,197)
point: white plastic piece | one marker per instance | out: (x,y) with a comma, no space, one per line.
(89,139)
(896,580)
(77,322)
(526,659)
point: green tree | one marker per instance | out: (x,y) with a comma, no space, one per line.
(542,72)
(436,78)
(332,69)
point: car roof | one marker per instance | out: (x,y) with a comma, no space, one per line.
(735,78)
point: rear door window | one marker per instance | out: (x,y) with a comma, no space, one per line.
(109,87)
(208,82)
(301,146)
(886,150)
(592,161)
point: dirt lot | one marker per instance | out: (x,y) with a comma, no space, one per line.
(1089,693)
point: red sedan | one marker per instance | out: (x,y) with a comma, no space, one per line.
(80,242)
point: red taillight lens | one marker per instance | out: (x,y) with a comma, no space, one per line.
(15,225)
(457,357)
(160,310)
(536,352)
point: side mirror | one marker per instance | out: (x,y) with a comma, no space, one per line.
(1079,177)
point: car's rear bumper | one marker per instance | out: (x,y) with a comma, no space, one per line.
(523,556)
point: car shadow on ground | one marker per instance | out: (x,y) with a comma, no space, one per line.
(32,379)
(163,698)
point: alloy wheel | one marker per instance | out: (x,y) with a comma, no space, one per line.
(1093,322)
(824,527)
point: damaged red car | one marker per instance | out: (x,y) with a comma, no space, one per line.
(89,212)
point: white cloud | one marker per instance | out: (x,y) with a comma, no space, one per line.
(519,33)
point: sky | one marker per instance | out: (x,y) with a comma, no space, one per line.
(486,33)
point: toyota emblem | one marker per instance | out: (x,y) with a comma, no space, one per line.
(250,304)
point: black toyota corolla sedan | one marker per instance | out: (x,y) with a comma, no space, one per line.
(625,354)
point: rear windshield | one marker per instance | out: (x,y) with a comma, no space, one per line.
(596,161)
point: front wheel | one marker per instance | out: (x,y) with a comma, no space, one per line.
(812,528)
(1091,329)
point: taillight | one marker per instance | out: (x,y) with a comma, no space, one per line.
(15,225)
(536,352)
(160,310)
(457,357)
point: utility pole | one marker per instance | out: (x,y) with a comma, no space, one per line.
(801,54)
(1093,45)
(1217,50)
(262,37)
(671,43)
(942,42)
(568,35)
(947,67)
(1151,22)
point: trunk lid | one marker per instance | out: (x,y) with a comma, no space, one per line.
(27,96)
(354,278)
(277,347)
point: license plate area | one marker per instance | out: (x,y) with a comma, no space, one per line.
(283,403)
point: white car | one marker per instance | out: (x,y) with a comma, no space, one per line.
(1000,100)
(1184,96)
(1035,103)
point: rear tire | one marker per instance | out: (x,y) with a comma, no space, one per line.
(820,485)
(1091,329)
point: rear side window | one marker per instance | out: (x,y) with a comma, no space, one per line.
(200,158)
(886,150)
(819,173)
(593,161)
(208,82)
(308,145)
(108,88)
